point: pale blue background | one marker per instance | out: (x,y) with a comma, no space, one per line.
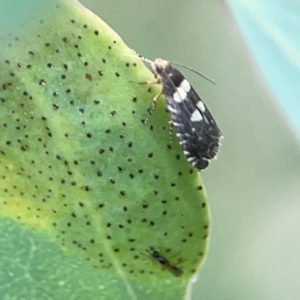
(272,29)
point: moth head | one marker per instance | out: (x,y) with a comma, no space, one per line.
(160,67)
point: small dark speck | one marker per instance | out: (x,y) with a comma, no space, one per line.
(99,173)
(117,74)
(122,193)
(88,77)
(100,73)
(96,102)
(150,155)
(107,131)
(112,181)
(130,144)
(96,32)
(81,110)
(55,106)
(173,184)
(109,47)
(199,188)
(113,113)
(149,89)
(72,21)
(203,205)
(89,135)
(134,99)
(131,176)
(101,205)
(104,60)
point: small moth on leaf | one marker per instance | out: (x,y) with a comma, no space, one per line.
(196,129)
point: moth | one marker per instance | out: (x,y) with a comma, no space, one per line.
(195,127)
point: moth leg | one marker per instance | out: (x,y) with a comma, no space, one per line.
(152,107)
(144,82)
(171,132)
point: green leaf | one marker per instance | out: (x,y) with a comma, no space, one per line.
(86,189)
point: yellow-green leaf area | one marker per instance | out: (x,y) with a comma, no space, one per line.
(84,182)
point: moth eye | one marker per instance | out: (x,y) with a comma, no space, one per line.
(159,69)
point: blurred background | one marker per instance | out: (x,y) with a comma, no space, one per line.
(249,48)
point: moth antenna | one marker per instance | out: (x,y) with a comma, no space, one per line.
(142,57)
(191,69)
